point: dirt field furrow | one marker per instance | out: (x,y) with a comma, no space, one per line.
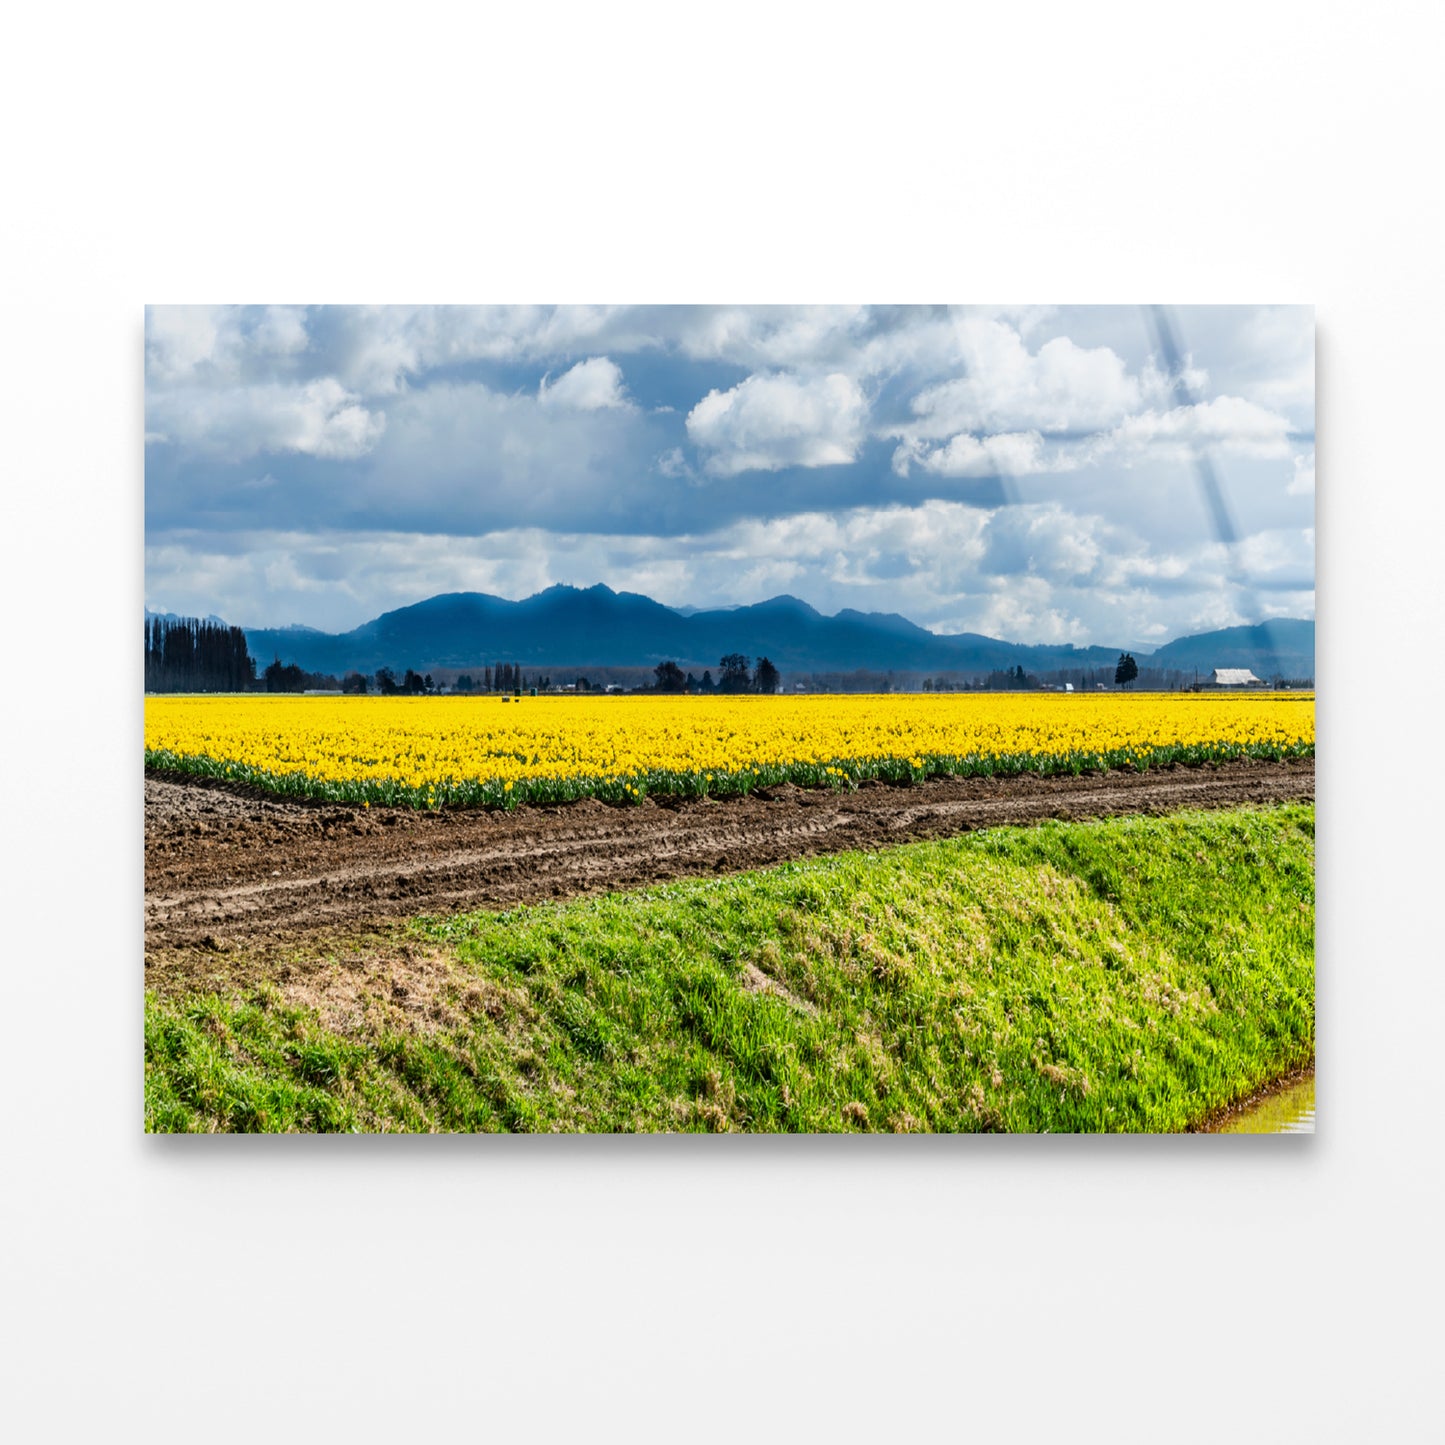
(227,871)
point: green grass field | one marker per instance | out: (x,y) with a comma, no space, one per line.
(1129,974)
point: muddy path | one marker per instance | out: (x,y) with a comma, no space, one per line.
(227,872)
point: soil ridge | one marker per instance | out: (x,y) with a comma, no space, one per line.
(226,869)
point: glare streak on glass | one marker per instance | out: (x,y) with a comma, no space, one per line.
(1216,504)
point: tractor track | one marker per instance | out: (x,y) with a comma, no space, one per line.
(227,871)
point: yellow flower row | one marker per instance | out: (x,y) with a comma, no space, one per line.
(433,741)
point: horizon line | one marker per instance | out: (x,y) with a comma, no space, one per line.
(693,610)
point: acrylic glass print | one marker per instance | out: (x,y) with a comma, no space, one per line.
(735,719)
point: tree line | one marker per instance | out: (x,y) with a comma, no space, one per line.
(188,655)
(503,677)
(736,674)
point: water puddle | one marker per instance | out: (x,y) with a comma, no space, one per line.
(1291,1111)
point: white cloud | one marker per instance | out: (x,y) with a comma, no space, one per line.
(220,341)
(1228,423)
(1026,608)
(772,336)
(886,558)
(382,347)
(1002,454)
(1275,350)
(772,421)
(320,419)
(1045,541)
(1016,411)
(281,331)
(487,458)
(181,338)
(1302,484)
(1006,387)
(591,385)
(674,464)
(327,422)
(1280,552)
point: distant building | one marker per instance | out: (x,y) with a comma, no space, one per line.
(1234,677)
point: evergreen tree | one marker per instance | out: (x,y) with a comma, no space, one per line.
(186,655)
(734,673)
(285,677)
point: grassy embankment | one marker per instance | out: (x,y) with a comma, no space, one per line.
(1128,974)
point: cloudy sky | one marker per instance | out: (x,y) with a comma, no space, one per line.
(1032,473)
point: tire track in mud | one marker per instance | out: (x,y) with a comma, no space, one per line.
(226,871)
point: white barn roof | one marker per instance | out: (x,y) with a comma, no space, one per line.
(1233,677)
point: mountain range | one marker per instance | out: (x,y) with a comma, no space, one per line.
(566,627)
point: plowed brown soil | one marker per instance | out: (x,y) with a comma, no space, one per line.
(227,872)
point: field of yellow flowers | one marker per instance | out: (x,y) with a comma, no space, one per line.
(439,751)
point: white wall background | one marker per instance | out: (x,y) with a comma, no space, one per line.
(668,1289)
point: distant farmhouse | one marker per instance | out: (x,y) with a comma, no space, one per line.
(1234,677)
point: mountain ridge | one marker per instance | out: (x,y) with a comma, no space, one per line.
(565,626)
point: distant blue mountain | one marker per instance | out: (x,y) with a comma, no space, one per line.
(1285,646)
(566,627)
